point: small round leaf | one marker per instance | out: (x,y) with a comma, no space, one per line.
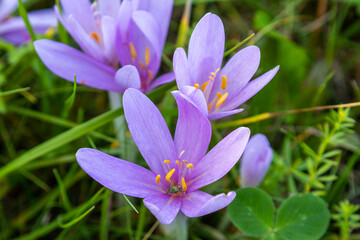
(302,217)
(252,211)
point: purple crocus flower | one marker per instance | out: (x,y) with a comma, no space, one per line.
(217,92)
(109,30)
(179,166)
(255,161)
(13,29)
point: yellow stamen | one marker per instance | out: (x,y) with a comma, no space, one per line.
(167,161)
(95,36)
(221,100)
(50,32)
(157,179)
(182,152)
(169,174)
(204,85)
(177,162)
(183,185)
(209,106)
(218,95)
(214,73)
(150,75)
(197,85)
(142,65)
(185,161)
(189,165)
(211,77)
(132,51)
(223,82)
(147,55)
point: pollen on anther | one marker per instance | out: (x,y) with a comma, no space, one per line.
(169,174)
(142,65)
(150,76)
(167,161)
(196,85)
(221,100)
(157,179)
(183,185)
(147,55)
(223,82)
(218,95)
(189,165)
(94,36)
(132,51)
(177,162)
(204,85)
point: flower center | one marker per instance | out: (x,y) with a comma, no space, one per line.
(142,65)
(175,179)
(206,88)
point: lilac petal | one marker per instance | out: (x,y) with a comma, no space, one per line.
(128,77)
(193,130)
(164,207)
(218,115)
(219,160)
(88,44)
(40,20)
(196,97)
(255,161)
(206,47)
(198,203)
(250,90)
(16,38)
(66,61)
(118,175)
(108,27)
(109,8)
(125,13)
(82,12)
(149,27)
(163,79)
(238,70)
(7,7)
(149,130)
(161,10)
(181,69)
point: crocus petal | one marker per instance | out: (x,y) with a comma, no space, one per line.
(163,79)
(199,203)
(251,89)
(128,77)
(164,207)
(118,175)
(108,27)
(161,10)
(255,161)
(40,20)
(7,7)
(181,69)
(218,115)
(66,61)
(88,44)
(238,70)
(149,27)
(219,160)
(193,130)
(196,97)
(125,13)
(206,47)
(149,130)
(82,12)
(109,8)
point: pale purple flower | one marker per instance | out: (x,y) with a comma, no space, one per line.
(217,92)
(255,161)
(109,30)
(13,29)
(179,166)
